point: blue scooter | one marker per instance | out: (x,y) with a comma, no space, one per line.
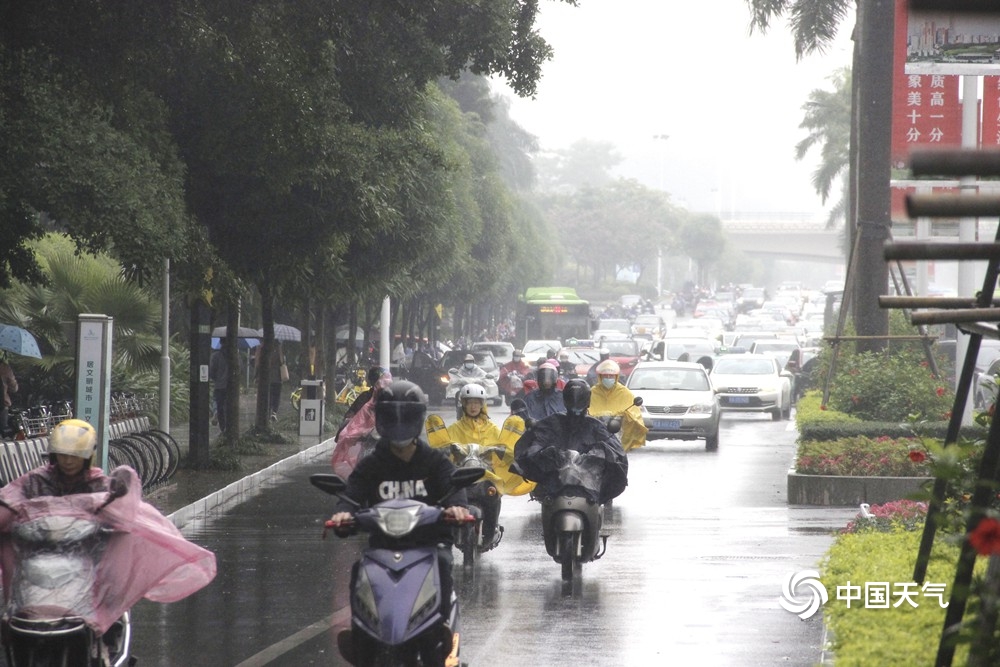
(396,595)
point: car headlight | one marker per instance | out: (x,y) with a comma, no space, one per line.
(701,409)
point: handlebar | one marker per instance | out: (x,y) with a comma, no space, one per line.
(347,528)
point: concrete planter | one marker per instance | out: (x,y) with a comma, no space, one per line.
(835,490)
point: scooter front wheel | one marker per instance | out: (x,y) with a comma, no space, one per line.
(568,556)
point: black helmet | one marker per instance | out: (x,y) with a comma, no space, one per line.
(374,373)
(576,396)
(400,410)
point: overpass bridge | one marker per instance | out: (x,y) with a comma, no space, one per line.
(795,237)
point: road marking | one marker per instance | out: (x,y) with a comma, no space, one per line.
(278,649)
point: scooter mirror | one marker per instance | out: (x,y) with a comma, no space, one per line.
(464,477)
(614,425)
(637,401)
(332,484)
(518,407)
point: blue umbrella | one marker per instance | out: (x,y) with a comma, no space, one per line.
(243,343)
(19,341)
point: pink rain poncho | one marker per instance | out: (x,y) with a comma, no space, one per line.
(357,438)
(144,555)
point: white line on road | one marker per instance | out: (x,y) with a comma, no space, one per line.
(276,650)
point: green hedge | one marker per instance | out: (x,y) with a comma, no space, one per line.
(898,635)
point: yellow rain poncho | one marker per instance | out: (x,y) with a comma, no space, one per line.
(484,432)
(609,402)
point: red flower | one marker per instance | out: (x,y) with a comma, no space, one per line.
(855,399)
(939,391)
(917,456)
(822,407)
(985,539)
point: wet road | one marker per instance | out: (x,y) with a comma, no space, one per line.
(700,545)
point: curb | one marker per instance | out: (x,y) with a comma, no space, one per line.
(202,511)
(841,491)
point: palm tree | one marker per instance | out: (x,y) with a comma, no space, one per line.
(83,283)
(814,23)
(828,121)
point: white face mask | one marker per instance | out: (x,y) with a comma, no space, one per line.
(608,382)
(469,365)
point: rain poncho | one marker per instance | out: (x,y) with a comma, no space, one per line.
(358,437)
(143,555)
(542,404)
(482,431)
(573,456)
(618,401)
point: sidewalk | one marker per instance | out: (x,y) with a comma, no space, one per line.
(192,493)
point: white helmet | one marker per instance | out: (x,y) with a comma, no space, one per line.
(472,391)
(608,367)
(73,437)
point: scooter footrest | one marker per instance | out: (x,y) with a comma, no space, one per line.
(497,536)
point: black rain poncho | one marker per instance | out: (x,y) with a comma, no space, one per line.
(572,455)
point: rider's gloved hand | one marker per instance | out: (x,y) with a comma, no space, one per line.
(118,482)
(457,513)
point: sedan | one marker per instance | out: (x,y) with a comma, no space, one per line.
(752,383)
(677,401)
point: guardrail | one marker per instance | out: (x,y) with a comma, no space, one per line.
(153,454)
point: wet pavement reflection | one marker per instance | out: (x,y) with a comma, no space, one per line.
(699,546)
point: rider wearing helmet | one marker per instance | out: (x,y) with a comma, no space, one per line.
(609,397)
(573,430)
(516,365)
(404,466)
(547,398)
(603,355)
(474,425)
(71,448)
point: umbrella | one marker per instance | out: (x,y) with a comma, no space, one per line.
(19,341)
(242,343)
(282,332)
(242,332)
(341,333)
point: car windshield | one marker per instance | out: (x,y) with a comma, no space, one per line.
(621,348)
(578,357)
(484,359)
(499,350)
(615,325)
(676,379)
(743,366)
(693,348)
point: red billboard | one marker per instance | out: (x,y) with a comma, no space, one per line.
(926,109)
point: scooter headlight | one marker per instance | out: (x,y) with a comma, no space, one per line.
(398,522)
(364,601)
(427,600)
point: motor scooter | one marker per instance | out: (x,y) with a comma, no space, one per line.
(52,593)
(396,596)
(512,386)
(579,465)
(484,498)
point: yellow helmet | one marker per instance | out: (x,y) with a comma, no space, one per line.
(73,437)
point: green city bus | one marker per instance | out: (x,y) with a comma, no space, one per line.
(550,313)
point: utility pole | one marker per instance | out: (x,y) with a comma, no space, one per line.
(873,114)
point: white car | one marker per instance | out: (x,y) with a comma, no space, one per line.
(752,383)
(677,401)
(502,351)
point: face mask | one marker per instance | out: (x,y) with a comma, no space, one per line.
(469,366)
(608,382)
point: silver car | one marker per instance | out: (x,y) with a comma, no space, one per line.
(678,402)
(753,383)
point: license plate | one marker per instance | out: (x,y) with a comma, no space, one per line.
(667,424)
(739,400)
